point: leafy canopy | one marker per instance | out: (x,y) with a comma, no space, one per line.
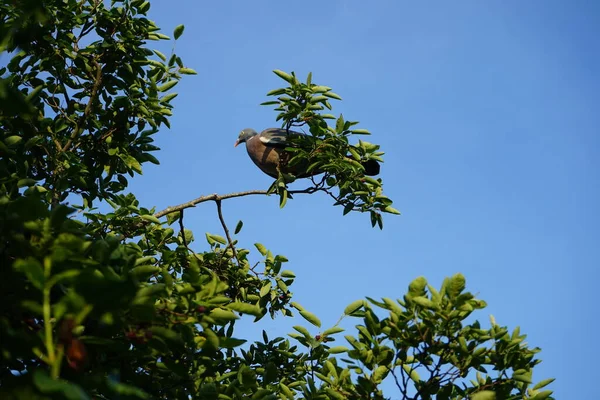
(128,304)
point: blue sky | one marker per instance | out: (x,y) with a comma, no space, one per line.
(485,110)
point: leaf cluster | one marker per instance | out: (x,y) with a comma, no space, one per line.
(328,150)
(127,303)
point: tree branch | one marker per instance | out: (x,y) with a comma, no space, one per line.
(229,240)
(219,197)
(202,199)
(182,230)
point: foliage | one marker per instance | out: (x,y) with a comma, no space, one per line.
(120,305)
(327,147)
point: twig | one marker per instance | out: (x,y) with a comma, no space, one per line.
(404,389)
(182,229)
(202,199)
(229,240)
(398,385)
(219,197)
(185,243)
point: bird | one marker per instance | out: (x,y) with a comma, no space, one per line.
(267,151)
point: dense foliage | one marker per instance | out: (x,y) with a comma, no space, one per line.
(126,304)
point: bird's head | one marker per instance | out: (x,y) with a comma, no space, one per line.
(245,134)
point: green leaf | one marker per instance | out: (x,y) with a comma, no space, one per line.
(12,140)
(310,317)
(34,93)
(339,125)
(320,89)
(332,95)
(281,284)
(212,340)
(26,182)
(132,163)
(261,249)
(360,131)
(33,270)
(456,285)
(151,158)
(543,383)
(391,210)
(286,391)
(303,331)
(334,394)
(238,227)
(412,373)
(333,330)
(286,77)
(417,287)
(160,55)
(126,390)
(167,86)
(144,7)
(168,97)
(222,316)
(245,308)
(218,238)
(393,306)
(165,333)
(172,217)
(178,31)
(150,218)
(525,378)
(187,71)
(230,343)
(276,92)
(287,274)
(68,391)
(62,276)
(354,306)
(380,373)
(484,395)
(338,350)
(265,289)
(423,302)
(283,196)
(544,394)
(145,271)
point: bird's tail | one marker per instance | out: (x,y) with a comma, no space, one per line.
(372,167)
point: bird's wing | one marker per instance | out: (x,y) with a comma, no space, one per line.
(276,137)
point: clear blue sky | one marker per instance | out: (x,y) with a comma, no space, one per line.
(488,114)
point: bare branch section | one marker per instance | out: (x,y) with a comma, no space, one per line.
(229,240)
(218,197)
(202,199)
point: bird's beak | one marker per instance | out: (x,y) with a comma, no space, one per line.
(236,143)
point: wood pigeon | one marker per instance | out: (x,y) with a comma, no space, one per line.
(267,150)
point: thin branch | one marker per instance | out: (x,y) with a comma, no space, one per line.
(398,385)
(185,243)
(229,240)
(202,199)
(404,389)
(182,229)
(219,197)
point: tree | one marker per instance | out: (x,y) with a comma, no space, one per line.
(120,305)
